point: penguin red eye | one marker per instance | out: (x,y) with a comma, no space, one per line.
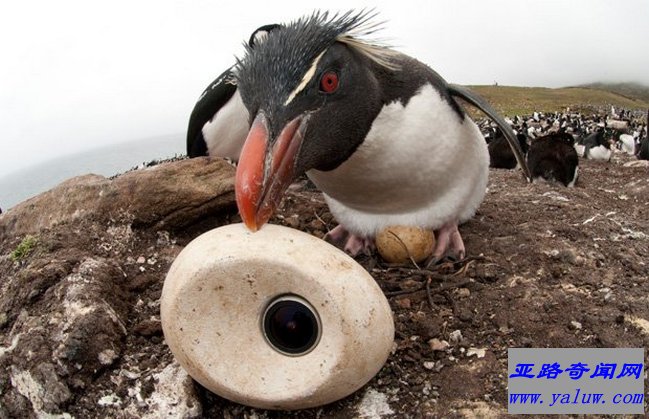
(329,82)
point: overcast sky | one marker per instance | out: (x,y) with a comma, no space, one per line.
(81,74)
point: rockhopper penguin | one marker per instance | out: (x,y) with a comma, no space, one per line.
(218,124)
(377,131)
(554,158)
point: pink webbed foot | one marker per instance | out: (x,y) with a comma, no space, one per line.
(356,245)
(350,243)
(449,243)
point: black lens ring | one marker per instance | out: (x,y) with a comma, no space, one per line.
(301,311)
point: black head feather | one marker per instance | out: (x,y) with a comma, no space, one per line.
(277,66)
(264,30)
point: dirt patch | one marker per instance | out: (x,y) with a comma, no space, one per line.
(548,266)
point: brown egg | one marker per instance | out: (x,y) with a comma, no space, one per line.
(397,244)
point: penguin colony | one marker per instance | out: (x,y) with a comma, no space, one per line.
(381,134)
(553,141)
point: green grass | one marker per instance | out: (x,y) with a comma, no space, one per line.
(510,100)
(24,248)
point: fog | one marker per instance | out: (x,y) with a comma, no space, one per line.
(78,75)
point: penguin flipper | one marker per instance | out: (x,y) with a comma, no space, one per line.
(477,101)
(217,94)
(214,97)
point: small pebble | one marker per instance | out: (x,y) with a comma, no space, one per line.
(455,336)
(403,302)
(429,365)
(317,225)
(463,292)
(107,357)
(608,293)
(131,375)
(478,352)
(438,345)
(575,325)
(141,260)
(465,315)
(426,389)
(292,221)
(109,400)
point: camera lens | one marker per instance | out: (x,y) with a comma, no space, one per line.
(291,325)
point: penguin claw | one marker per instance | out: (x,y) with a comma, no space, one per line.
(432,261)
(350,243)
(356,245)
(449,243)
(337,236)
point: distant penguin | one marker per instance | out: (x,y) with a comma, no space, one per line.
(579,141)
(596,147)
(219,124)
(643,149)
(554,158)
(626,143)
(501,155)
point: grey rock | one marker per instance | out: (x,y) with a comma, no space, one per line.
(167,196)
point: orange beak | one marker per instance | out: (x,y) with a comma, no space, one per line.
(263,173)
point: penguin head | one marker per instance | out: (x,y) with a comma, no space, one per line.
(312,92)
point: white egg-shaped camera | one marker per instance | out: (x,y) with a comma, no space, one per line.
(275,319)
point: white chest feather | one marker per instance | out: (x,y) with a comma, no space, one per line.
(419,165)
(628,143)
(227,131)
(599,153)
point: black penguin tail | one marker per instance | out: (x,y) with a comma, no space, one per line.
(477,101)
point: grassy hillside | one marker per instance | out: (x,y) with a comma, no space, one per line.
(512,101)
(630,90)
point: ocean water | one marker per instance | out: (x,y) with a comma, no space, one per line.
(105,161)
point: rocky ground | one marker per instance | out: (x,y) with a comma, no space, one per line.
(82,268)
